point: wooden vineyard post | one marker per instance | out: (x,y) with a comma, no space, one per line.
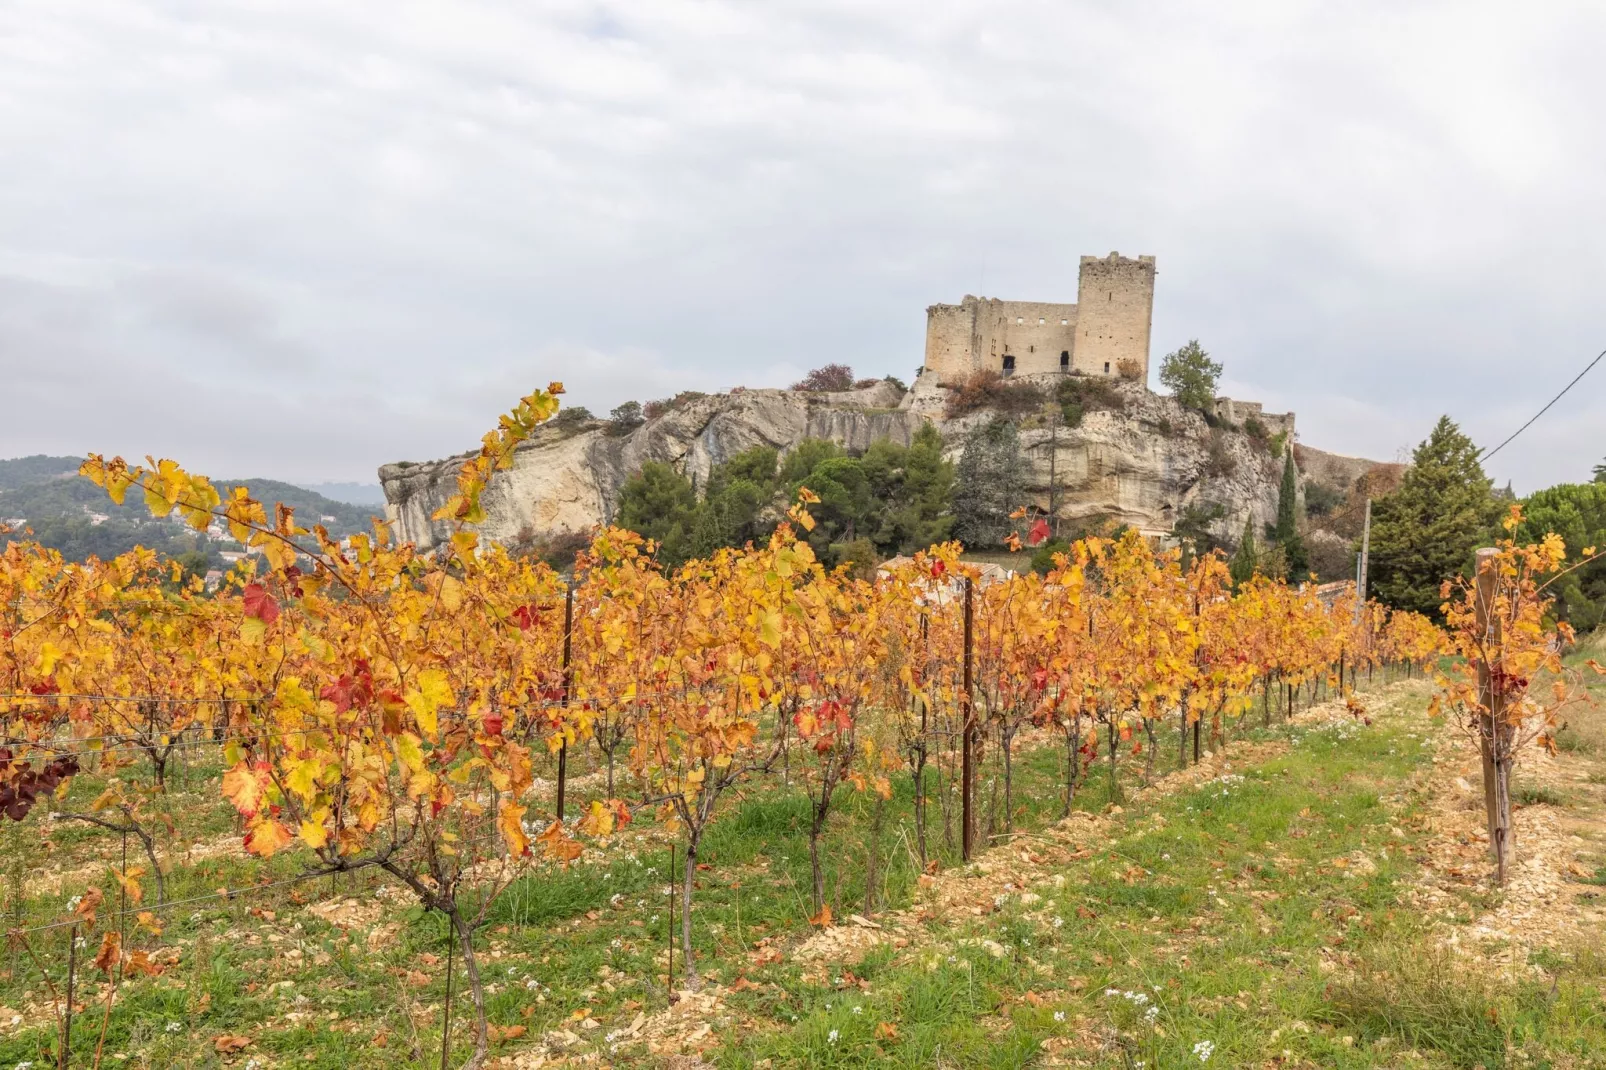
(446,1019)
(568,687)
(1494,736)
(66,1020)
(669,978)
(968,728)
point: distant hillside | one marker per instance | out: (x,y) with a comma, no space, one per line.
(71,514)
(351,493)
(21,471)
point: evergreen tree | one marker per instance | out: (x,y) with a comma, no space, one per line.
(916,488)
(1286,532)
(1576,512)
(987,485)
(659,503)
(1425,532)
(1246,561)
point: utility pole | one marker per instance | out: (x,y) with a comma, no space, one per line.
(1361,562)
(1053,481)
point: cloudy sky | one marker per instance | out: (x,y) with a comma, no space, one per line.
(300,238)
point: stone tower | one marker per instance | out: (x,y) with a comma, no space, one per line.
(1114,310)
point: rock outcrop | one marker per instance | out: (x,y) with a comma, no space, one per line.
(567,478)
(1145,463)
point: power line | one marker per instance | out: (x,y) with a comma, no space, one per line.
(1541,412)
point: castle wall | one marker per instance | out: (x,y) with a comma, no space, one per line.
(1236,412)
(951,341)
(981,332)
(1035,333)
(1115,311)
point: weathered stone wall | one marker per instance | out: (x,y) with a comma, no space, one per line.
(1115,310)
(1010,337)
(1236,412)
(951,341)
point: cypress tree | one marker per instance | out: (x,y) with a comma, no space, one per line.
(1286,532)
(1245,562)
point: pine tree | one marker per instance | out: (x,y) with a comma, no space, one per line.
(988,485)
(1425,532)
(1244,563)
(1286,533)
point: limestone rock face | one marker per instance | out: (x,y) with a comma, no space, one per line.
(1144,465)
(568,479)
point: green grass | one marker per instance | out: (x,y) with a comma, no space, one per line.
(1259,913)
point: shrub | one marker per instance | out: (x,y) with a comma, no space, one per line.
(826,379)
(1043,558)
(1320,499)
(1257,432)
(989,390)
(1218,461)
(859,555)
(1079,395)
(573,417)
(558,551)
(864,384)
(625,418)
(654,409)
(895,381)
(1129,369)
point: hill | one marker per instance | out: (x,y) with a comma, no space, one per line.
(68,513)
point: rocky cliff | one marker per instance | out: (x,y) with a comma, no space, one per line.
(1143,460)
(567,477)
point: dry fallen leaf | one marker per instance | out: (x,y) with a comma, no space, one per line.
(140,963)
(886,1031)
(228,1044)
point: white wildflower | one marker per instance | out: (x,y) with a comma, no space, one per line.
(1204,1049)
(832,1038)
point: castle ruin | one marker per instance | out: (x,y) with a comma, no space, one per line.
(1105,333)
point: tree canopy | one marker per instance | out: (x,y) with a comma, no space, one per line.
(1424,533)
(1576,512)
(1191,376)
(988,485)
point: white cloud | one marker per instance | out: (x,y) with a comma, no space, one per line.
(363,222)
